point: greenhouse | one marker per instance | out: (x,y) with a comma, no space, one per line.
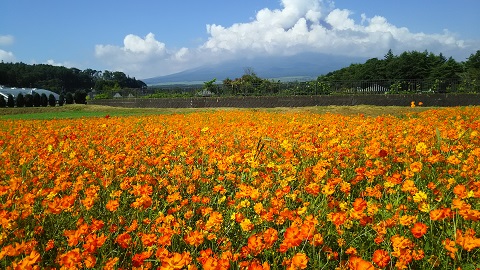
(5,91)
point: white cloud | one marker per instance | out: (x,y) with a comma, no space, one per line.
(53,63)
(298,26)
(6,39)
(315,26)
(7,56)
(143,57)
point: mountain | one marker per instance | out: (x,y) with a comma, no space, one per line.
(306,66)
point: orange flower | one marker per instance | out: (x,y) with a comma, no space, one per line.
(139,258)
(313,189)
(256,265)
(337,218)
(255,244)
(93,242)
(214,221)
(317,240)
(194,238)
(359,204)
(419,229)
(418,254)
(351,251)
(215,264)
(381,258)
(292,238)
(299,261)
(461,191)
(416,167)
(123,240)
(112,205)
(89,260)
(467,240)
(28,261)
(110,264)
(437,214)
(449,245)
(176,261)
(357,263)
(72,259)
(50,244)
(270,236)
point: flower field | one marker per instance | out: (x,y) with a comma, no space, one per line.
(242,189)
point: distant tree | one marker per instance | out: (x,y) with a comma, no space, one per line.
(43,100)
(20,100)
(69,98)
(472,66)
(36,100)
(80,97)
(28,100)
(210,87)
(389,56)
(61,100)
(56,78)
(3,102)
(10,101)
(51,100)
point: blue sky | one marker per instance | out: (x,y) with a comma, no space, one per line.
(151,38)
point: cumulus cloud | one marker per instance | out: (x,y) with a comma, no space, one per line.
(317,26)
(298,26)
(7,56)
(143,56)
(54,63)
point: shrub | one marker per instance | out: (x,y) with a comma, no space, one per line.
(69,98)
(80,97)
(10,101)
(43,100)
(51,100)
(61,100)
(102,96)
(36,100)
(20,100)
(28,100)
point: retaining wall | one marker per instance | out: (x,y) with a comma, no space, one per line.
(435,100)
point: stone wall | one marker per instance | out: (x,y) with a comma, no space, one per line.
(434,100)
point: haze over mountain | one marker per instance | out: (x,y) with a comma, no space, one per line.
(305,66)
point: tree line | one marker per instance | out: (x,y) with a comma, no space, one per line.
(411,71)
(409,65)
(61,79)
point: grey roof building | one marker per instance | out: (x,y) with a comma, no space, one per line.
(4,91)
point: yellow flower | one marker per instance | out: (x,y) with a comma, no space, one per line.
(424,207)
(244,203)
(258,208)
(222,199)
(421,147)
(246,225)
(301,210)
(420,196)
(343,206)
